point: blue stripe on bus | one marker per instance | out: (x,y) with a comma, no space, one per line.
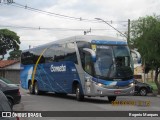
(117,83)
(109,42)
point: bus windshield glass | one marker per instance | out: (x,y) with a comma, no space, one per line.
(113,62)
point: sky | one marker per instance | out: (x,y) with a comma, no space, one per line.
(116,12)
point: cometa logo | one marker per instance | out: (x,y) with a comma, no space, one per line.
(61,68)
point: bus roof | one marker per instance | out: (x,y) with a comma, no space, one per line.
(86,38)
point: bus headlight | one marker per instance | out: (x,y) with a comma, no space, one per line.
(100,85)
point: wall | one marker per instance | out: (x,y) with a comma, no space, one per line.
(11,73)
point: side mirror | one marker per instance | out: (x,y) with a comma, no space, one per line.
(138,56)
(92,52)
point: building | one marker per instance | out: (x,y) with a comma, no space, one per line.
(10,69)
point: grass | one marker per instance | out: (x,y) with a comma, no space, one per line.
(153,85)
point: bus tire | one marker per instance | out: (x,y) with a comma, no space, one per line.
(79,95)
(36,89)
(111,98)
(31,88)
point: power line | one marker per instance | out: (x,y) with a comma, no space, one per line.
(51,13)
(57,29)
(58,15)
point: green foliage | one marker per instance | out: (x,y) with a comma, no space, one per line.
(145,36)
(15,55)
(8,41)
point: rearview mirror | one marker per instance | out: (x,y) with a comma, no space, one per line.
(137,56)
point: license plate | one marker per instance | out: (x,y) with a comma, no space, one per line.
(117,92)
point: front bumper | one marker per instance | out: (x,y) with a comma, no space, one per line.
(93,89)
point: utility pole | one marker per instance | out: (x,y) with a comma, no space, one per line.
(144,62)
(129,26)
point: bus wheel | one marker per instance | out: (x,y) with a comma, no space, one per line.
(36,89)
(111,98)
(79,95)
(31,91)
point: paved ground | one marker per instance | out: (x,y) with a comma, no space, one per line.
(51,102)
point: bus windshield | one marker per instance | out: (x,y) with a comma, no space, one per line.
(113,62)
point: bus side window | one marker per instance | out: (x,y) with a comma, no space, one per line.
(70,53)
(27,58)
(48,56)
(81,45)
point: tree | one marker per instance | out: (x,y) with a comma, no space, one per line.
(146,38)
(8,41)
(15,55)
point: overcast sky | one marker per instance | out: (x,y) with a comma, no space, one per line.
(117,11)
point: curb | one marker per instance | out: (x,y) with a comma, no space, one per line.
(158,96)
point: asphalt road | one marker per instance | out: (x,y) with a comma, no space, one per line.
(52,102)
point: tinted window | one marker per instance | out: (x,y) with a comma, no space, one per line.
(27,58)
(61,52)
(31,56)
(82,45)
(49,55)
(70,53)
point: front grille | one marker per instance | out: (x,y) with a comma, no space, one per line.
(116,87)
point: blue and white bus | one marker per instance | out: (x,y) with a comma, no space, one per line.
(83,65)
